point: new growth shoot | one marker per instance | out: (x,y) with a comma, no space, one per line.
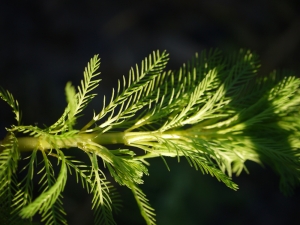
(214,111)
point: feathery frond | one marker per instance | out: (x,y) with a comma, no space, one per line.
(101,203)
(8,183)
(77,102)
(9,99)
(143,203)
(140,82)
(87,85)
(106,199)
(49,203)
(81,172)
(23,197)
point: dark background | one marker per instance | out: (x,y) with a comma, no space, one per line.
(44,44)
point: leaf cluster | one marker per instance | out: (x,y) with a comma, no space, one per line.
(214,111)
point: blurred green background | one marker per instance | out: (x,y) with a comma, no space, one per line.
(44,44)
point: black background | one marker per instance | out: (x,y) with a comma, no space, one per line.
(44,44)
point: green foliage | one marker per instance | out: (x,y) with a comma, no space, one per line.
(8,182)
(49,203)
(214,111)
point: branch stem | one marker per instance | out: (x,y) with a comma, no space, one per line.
(42,143)
(126,138)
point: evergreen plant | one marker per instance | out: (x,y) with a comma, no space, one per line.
(215,112)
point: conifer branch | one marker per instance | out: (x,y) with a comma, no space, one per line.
(214,112)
